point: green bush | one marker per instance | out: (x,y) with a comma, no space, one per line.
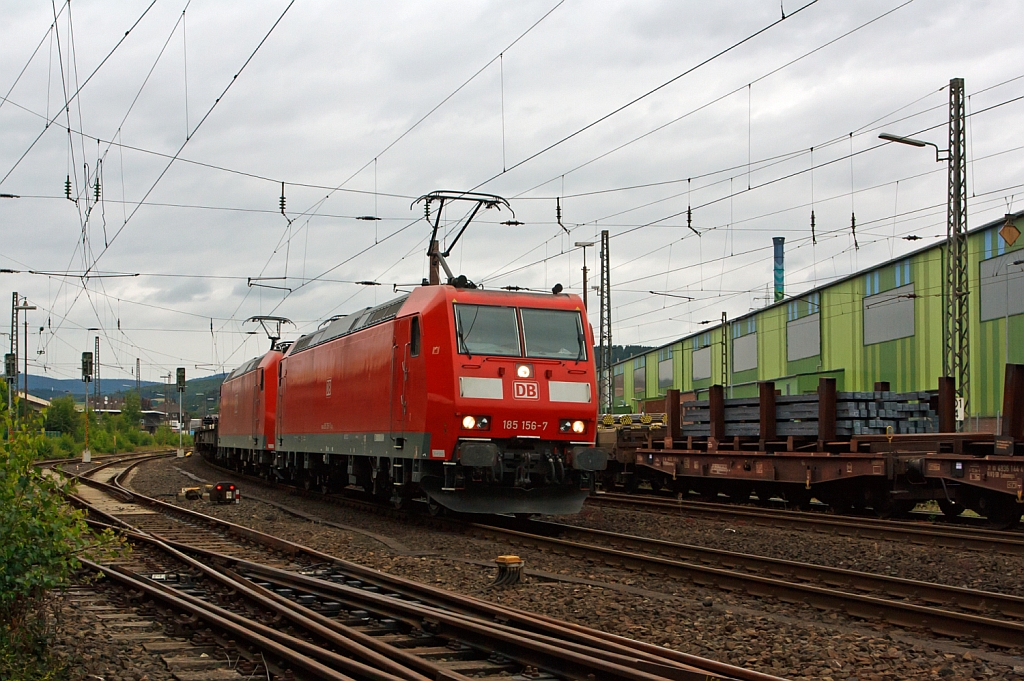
(41,539)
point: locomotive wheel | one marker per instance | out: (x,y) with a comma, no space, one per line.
(951,509)
(433,508)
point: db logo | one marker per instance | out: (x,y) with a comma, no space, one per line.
(526,390)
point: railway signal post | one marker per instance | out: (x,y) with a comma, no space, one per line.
(86,378)
(181,395)
(11,374)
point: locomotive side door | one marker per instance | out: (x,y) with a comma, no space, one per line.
(399,381)
(257,390)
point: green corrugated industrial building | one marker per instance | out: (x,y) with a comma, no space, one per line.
(881,324)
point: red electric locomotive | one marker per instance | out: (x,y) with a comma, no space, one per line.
(479,401)
(248,406)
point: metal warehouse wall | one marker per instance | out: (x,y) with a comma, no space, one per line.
(881,324)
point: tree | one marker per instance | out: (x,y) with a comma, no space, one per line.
(41,538)
(61,416)
(131,410)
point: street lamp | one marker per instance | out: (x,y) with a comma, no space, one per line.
(24,307)
(955,319)
(584,245)
(889,137)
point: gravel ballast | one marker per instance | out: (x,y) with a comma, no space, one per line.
(790,640)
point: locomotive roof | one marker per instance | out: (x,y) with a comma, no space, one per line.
(251,365)
(371,316)
(342,326)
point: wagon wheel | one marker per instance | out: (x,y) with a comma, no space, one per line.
(951,509)
(1002,511)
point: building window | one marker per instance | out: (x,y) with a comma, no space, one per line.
(640,375)
(889,315)
(1002,287)
(665,369)
(872,283)
(810,305)
(702,341)
(902,271)
(619,382)
(994,244)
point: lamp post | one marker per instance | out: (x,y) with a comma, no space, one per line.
(25,307)
(956,320)
(584,245)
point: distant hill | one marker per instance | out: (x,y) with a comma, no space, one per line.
(48,388)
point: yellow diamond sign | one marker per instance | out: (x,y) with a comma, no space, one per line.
(1009,233)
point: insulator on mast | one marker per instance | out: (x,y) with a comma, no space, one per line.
(67,188)
(282,198)
(96,189)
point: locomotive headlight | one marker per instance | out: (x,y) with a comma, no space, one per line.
(524,370)
(476,422)
(570,426)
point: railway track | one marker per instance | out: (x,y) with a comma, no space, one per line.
(901,602)
(977,539)
(316,616)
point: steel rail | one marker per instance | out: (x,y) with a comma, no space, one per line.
(1009,543)
(539,636)
(375,664)
(900,587)
(471,605)
(387,670)
(996,632)
(222,619)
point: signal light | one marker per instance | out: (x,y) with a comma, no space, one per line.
(524,370)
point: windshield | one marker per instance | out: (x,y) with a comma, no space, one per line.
(555,334)
(487,330)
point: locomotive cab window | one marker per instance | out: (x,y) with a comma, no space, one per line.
(554,334)
(487,330)
(414,337)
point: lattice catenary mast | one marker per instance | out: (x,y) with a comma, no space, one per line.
(956,360)
(605,352)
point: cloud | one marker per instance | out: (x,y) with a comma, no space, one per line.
(337,83)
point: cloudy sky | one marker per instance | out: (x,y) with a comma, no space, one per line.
(193,120)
